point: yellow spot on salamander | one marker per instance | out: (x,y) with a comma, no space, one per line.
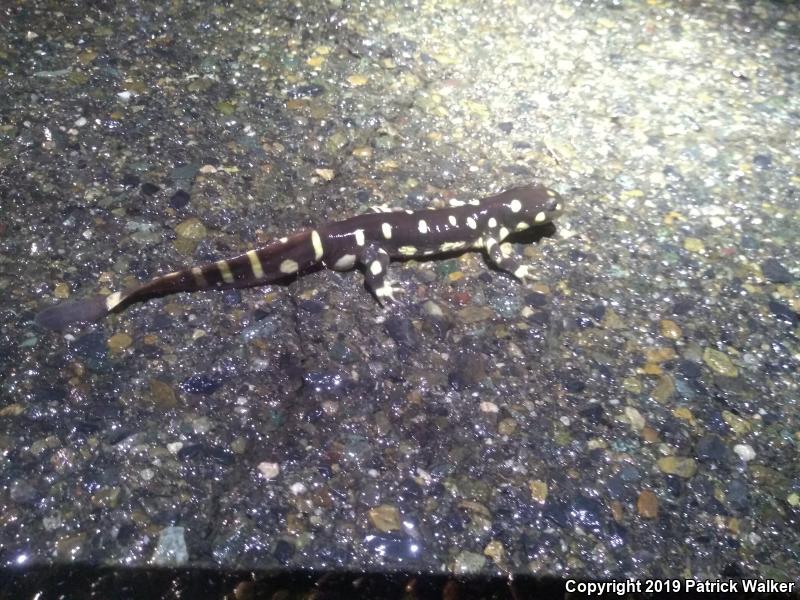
(360,239)
(386,229)
(423,226)
(199,279)
(113,300)
(255,264)
(407,250)
(471,223)
(345,262)
(451,246)
(515,206)
(540,217)
(225,271)
(375,268)
(289,266)
(317,243)
(452,220)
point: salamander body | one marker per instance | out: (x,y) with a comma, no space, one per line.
(370,240)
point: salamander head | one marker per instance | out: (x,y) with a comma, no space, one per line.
(527,206)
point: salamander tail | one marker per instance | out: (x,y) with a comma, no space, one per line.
(60,316)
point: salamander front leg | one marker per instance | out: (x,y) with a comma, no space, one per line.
(376,260)
(509,264)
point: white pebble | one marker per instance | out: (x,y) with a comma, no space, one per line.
(174,447)
(489,407)
(269,470)
(745,452)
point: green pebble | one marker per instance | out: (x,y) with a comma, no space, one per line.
(719,363)
(681,466)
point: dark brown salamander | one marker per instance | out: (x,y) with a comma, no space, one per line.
(370,240)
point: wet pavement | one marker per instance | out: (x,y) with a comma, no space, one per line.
(633,413)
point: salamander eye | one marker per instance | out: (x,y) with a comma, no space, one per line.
(554,203)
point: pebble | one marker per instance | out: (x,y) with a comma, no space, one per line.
(737,495)
(647,505)
(670,329)
(650,435)
(762,161)
(635,418)
(681,466)
(191,229)
(659,355)
(538,490)
(200,384)
(775,272)
(468,562)
(171,549)
(694,245)
(663,390)
(689,369)
(719,363)
(474,314)
(401,330)
(684,414)
(432,309)
(739,425)
(507,426)
(496,551)
(385,517)
(179,200)
(119,341)
(149,189)
(587,512)
(357,80)
(489,407)
(745,452)
(189,232)
(326,174)
(269,470)
(61,291)
(316,61)
(362,152)
(711,447)
(162,394)
(784,312)
(175,447)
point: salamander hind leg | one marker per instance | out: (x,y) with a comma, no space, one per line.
(376,261)
(509,264)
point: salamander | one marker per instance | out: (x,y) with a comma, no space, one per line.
(369,240)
